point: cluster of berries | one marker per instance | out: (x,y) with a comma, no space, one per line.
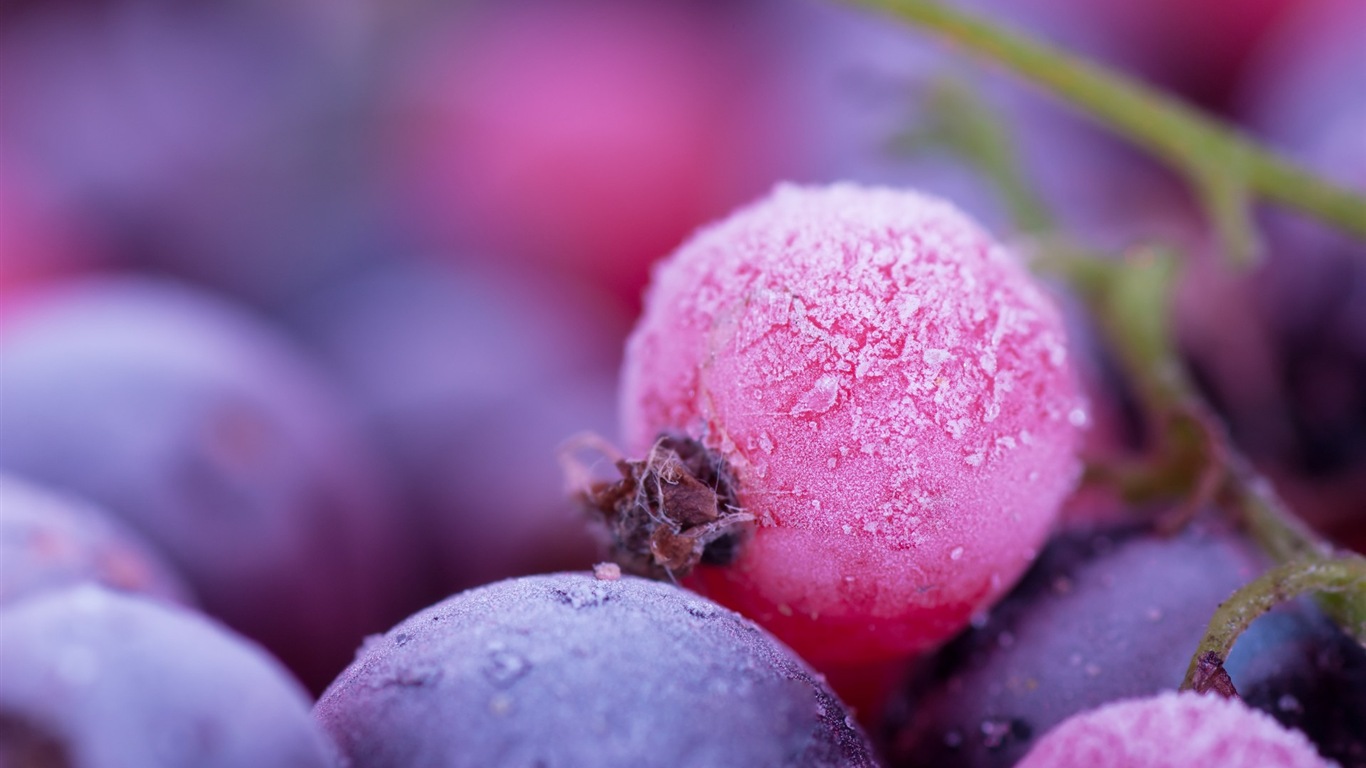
(859,423)
(842,527)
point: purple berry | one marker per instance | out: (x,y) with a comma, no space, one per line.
(100,679)
(1118,614)
(208,434)
(569,669)
(48,540)
(203,140)
(470,379)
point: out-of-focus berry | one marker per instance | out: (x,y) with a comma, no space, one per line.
(99,679)
(203,430)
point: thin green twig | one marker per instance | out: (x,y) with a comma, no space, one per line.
(1129,298)
(1225,167)
(1195,461)
(1260,595)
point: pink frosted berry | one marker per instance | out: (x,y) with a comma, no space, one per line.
(1173,730)
(886,391)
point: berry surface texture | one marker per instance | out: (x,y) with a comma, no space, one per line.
(891,392)
(1173,730)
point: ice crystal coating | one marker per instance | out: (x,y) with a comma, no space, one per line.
(892,392)
(1173,730)
(574,669)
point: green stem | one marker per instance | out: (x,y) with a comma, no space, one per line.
(1283,535)
(1129,298)
(1222,164)
(1276,586)
(959,120)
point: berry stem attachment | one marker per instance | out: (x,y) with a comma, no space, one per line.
(1260,595)
(1226,168)
(666,513)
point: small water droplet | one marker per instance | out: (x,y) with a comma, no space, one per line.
(956,554)
(994,733)
(500,704)
(402,638)
(503,667)
(701,610)
(584,594)
(407,676)
(1288,703)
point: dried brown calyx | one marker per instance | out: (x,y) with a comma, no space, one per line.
(1210,676)
(669,511)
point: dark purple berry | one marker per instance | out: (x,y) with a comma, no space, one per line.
(568,669)
(470,380)
(204,431)
(49,540)
(1115,615)
(91,678)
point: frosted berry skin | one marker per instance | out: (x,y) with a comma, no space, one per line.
(1115,614)
(92,678)
(206,432)
(575,669)
(1173,730)
(891,391)
(48,541)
